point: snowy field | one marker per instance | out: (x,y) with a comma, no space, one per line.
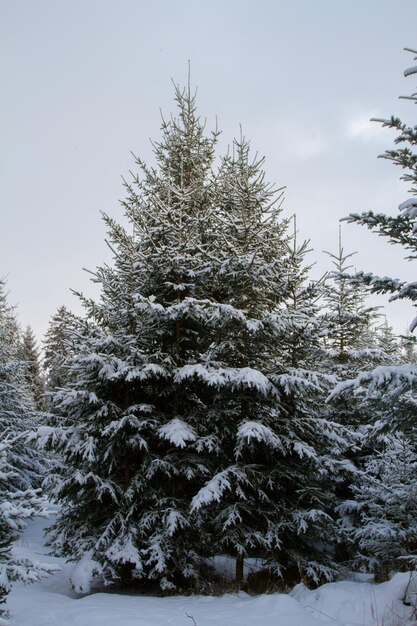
(52,602)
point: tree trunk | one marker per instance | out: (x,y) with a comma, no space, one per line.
(126,467)
(239,571)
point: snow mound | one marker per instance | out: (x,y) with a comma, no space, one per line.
(358,603)
(83,573)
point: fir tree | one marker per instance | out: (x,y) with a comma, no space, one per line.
(389,344)
(391,381)
(391,385)
(408,348)
(351,339)
(351,342)
(58,347)
(182,390)
(17,506)
(399,229)
(17,410)
(29,354)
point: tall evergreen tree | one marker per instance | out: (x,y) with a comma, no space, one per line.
(394,379)
(351,343)
(182,378)
(401,228)
(390,384)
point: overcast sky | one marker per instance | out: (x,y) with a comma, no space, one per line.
(83,82)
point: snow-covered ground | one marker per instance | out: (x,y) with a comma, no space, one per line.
(52,602)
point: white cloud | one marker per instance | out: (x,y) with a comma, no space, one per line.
(310,146)
(362,128)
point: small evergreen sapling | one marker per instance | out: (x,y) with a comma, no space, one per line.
(29,354)
(58,344)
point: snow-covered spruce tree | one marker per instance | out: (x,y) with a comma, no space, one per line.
(399,412)
(391,384)
(29,354)
(351,342)
(58,343)
(381,517)
(351,339)
(270,492)
(408,347)
(21,467)
(389,343)
(133,426)
(17,411)
(182,379)
(400,229)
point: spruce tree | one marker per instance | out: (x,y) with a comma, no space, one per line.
(29,354)
(17,410)
(21,466)
(351,339)
(351,342)
(391,381)
(58,347)
(185,424)
(408,347)
(399,229)
(391,385)
(389,344)
(18,505)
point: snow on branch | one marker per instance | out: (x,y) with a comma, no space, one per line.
(177,432)
(218,377)
(217,486)
(384,379)
(255,431)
